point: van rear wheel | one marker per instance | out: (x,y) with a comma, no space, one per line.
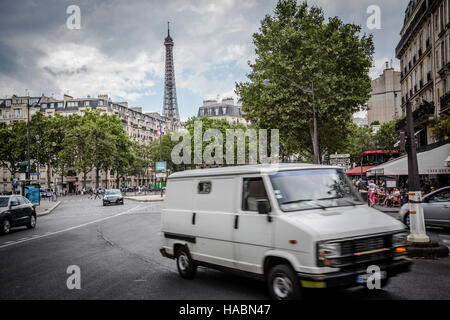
(283,283)
(185,265)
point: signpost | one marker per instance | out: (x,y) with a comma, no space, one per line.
(160,169)
(341,160)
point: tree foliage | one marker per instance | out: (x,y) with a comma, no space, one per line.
(297,43)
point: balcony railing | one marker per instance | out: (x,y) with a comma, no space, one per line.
(445,100)
(425,110)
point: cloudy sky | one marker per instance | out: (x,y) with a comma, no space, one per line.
(119,49)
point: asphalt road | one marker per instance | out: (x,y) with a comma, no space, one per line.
(117,251)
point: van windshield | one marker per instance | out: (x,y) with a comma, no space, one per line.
(313,189)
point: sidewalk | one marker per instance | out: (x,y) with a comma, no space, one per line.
(146,198)
(393,212)
(46,207)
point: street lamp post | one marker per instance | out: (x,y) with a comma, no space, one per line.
(29,105)
(417,221)
(315,137)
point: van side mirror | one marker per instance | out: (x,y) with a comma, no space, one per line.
(263,206)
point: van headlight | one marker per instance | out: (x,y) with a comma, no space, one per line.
(326,251)
(400,239)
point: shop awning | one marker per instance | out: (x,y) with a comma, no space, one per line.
(429,162)
(357,171)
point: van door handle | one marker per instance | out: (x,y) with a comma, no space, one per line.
(236,222)
(193,217)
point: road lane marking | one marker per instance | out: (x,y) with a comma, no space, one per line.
(47,234)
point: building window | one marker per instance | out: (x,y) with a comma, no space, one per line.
(100,102)
(17,113)
(52,105)
(8,103)
(60,104)
(86,103)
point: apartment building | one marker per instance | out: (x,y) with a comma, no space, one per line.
(384,104)
(425,64)
(226,109)
(140,126)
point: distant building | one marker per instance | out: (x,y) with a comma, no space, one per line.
(424,57)
(140,127)
(384,104)
(360,121)
(226,109)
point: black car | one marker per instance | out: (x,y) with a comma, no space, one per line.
(112,196)
(16,211)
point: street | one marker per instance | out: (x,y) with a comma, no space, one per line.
(117,250)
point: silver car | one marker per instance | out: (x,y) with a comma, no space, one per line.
(436,208)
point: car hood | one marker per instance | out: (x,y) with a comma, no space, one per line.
(341,222)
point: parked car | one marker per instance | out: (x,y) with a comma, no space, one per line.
(295,226)
(436,208)
(112,196)
(16,211)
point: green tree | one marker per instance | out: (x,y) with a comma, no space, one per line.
(359,140)
(386,137)
(13,146)
(299,44)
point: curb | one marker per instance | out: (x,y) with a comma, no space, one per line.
(138,200)
(429,250)
(49,210)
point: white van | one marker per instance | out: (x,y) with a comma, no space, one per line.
(295,226)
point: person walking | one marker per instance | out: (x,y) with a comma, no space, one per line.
(372,192)
(97,193)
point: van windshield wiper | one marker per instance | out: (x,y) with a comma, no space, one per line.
(306,200)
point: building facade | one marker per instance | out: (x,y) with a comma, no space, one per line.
(140,127)
(424,57)
(226,109)
(384,104)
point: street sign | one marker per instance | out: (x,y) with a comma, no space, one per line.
(160,174)
(15,184)
(341,160)
(339,156)
(161,166)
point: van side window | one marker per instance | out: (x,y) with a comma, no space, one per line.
(204,187)
(252,190)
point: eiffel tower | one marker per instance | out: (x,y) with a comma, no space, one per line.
(170,108)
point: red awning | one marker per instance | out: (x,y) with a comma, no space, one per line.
(357,171)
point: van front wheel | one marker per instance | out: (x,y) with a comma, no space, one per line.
(283,283)
(185,265)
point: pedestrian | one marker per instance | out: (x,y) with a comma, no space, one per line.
(97,193)
(372,192)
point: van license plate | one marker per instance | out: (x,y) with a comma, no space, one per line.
(362,278)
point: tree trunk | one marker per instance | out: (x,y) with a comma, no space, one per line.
(97,172)
(84,179)
(117,180)
(49,180)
